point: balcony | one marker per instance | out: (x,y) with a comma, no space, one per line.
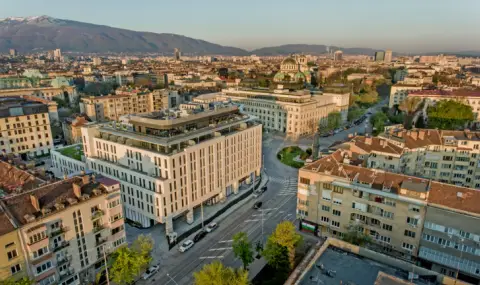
(58,231)
(63,260)
(100,241)
(97,214)
(61,246)
(66,274)
(98,228)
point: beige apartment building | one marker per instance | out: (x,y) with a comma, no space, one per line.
(25,127)
(293,113)
(66,227)
(112,107)
(399,92)
(170,162)
(12,259)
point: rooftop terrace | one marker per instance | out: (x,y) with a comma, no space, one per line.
(72,151)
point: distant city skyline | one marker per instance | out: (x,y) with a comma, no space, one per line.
(408,26)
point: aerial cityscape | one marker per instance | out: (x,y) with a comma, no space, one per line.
(266,144)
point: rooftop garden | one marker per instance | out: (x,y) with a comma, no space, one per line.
(73,151)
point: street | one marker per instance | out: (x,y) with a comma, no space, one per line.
(279,204)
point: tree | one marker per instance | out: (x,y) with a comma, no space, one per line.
(420,123)
(21,281)
(378,121)
(60,102)
(143,246)
(354,113)
(216,273)
(334,120)
(355,235)
(285,235)
(449,115)
(126,266)
(409,106)
(276,256)
(242,249)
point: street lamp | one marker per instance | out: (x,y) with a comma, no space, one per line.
(172,279)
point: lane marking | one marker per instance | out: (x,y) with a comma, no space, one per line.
(210,257)
(221,248)
(224,241)
(248,221)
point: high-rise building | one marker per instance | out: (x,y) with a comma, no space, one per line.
(57,54)
(177,54)
(65,227)
(338,55)
(379,56)
(388,56)
(13,52)
(172,161)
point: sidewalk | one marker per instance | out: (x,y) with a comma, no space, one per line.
(161,249)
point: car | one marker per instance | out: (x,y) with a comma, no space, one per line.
(257,193)
(150,271)
(199,236)
(186,245)
(264,188)
(211,227)
(257,205)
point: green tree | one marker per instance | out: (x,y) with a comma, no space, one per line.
(449,115)
(355,235)
(334,120)
(127,265)
(378,121)
(60,102)
(242,249)
(143,246)
(409,106)
(355,113)
(420,123)
(21,281)
(276,256)
(285,235)
(216,273)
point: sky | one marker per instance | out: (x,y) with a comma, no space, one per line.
(403,26)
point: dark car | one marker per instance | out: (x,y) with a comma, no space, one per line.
(264,188)
(200,235)
(257,205)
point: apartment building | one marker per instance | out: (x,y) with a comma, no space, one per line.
(293,113)
(65,227)
(68,160)
(71,127)
(399,92)
(12,259)
(172,161)
(112,107)
(450,241)
(25,127)
(390,208)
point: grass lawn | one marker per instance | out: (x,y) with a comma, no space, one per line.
(72,152)
(287,155)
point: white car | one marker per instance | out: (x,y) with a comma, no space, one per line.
(211,227)
(150,272)
(186,245)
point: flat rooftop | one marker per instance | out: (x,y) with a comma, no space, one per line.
(72,151)
(350,268)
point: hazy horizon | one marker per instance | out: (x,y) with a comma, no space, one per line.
(407,27)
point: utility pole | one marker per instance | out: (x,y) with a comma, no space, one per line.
(106,266)
(201,208)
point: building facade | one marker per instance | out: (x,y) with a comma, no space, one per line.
(171,162)
(25,127)
(293,113)
(399,92)
(65,227)
(68,161)
(294,69)
(12,258)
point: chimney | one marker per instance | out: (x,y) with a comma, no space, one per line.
(35,202)
(368,141)
(414,135)
(85,179)
(77,190)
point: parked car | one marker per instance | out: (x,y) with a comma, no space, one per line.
(257,205)
(211,227)
(186,245)
(264,188)
(150,271)
(257,193)
(200,235)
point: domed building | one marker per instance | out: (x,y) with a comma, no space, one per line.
(294,69)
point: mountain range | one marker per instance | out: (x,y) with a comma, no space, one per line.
(41,33)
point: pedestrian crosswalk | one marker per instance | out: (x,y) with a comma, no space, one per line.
(289,187)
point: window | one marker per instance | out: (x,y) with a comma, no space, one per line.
(412,221)
(337,201)
(338,189)
(37,237)
(414,208)
(303,213)
(407,246)
(16,268)
(409,234)
(325,219)
(327,186)
(336,213)
(387,227)
(12,254)
(335,224)
(40,252)
(304,180)
(325,208)
(44,267)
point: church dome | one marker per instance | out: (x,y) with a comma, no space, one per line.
(289,60)
(299,76)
